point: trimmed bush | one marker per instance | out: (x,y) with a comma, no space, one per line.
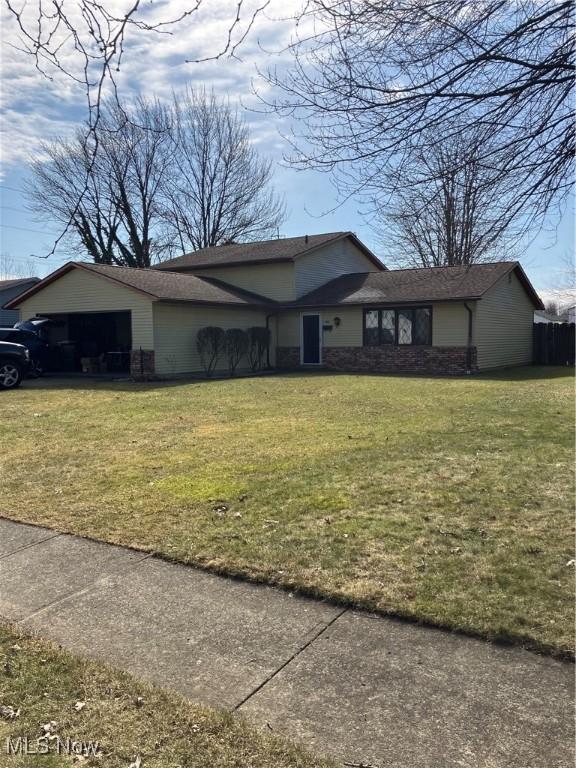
(258,343)
(210,343)
(236,346)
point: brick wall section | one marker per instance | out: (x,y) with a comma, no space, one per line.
(440,360)
(142,364)
(287,357)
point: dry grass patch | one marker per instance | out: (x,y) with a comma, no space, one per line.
(128,719)
(449,501)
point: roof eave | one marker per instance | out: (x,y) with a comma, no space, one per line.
(391,302)
(215,303)
(528,287)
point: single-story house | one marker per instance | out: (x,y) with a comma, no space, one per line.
(9,289)
(327,300)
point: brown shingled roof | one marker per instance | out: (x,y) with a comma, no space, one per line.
(405,286)
(163,286)
(261,252)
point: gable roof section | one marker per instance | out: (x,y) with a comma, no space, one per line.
(160,286)
(410,286)
(402,286)
(277,251)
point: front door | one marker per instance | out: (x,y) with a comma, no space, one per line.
(311,338)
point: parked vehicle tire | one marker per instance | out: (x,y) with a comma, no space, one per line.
(10,374)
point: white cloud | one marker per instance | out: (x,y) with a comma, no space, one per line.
(36,108)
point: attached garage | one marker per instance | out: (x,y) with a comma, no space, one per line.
(142,321)
(92,342)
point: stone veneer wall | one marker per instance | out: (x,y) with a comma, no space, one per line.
(386,359)
(142,364)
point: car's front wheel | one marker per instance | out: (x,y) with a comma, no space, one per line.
(10,374)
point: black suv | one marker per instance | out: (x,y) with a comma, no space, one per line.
(14,364)
(38,348)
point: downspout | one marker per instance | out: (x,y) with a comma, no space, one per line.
(268,364)
(470,337)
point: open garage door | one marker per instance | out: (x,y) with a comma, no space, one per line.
(89,342)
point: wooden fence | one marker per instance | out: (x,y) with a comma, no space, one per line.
(553,343)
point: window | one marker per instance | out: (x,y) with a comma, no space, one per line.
(405,326)
(371,328)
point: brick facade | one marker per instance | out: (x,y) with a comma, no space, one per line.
(142,364)
(387,359)
(287,358)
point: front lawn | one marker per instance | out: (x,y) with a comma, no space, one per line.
(448,500)
(108,719)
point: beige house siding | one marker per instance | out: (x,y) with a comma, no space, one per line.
(450,324)
(341,258)
(275,281)
(81,291)
(503,325)
(176,327)
(347,334)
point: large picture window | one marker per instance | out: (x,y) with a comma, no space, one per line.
(401,326)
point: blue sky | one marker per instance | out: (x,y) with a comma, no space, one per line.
(34,109)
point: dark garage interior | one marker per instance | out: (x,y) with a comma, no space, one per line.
(89,342)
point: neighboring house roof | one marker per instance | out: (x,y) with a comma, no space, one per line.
(411,286)
(163,286)
(9,289)
(262,252)
(16,281)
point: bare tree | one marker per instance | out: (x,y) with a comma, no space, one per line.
(219,190)
(109,196)
(14,268)
(552,308)
(85,42)
(446,207)
(375,82)
(161,180)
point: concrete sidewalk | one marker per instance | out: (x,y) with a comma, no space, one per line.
(368,690)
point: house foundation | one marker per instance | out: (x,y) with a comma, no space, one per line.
(388,359)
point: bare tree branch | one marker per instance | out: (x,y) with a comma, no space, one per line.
(376,82)
(84,41)
(447,207)
(220,191)
(160,180)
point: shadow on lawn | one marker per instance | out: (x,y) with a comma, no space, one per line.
(103,382)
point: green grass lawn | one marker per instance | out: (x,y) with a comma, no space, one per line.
(447,500)
(88,702)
